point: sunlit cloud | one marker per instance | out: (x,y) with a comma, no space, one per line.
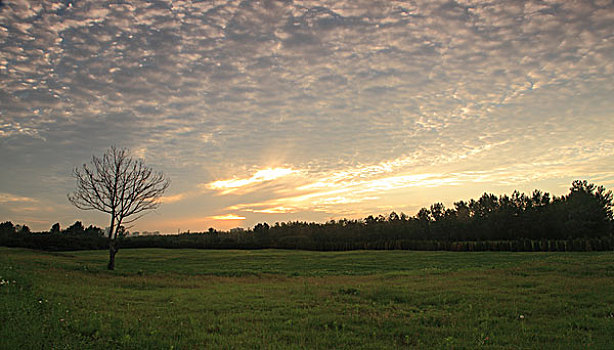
(333,192)
(8,129)
(7,198)
(272,210)
(33,209)
(342,200)
(174,198)
(227,217)
(264,175)
(344,193)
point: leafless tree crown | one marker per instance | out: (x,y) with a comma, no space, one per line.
(119,185)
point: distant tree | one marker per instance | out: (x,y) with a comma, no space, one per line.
(55,228)
(424,215)
(121,186)
(7,227)
(76,228)
(261,231)
(438,211)
(393,217)
(462,211)
(589,210)
(23,229)
(93,230)
(370,220)
(485,205)
(123,232)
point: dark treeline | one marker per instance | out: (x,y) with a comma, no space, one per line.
(75,237)
(579,221)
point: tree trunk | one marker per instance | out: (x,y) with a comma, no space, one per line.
(112,251)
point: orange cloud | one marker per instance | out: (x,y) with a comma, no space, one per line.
(227,217)
(174,198)
(275,210)
(261,176)
(362,187)
(7,197)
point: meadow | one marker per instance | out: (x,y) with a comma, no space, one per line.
(283,299)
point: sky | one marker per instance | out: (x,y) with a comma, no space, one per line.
(272,111)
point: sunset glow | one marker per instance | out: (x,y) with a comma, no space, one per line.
(227,217)
(274,111)
(232,185)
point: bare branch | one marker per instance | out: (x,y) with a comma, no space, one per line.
(119,185)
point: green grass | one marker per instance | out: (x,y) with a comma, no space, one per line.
(272,299)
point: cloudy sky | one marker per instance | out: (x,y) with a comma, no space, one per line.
(303,110)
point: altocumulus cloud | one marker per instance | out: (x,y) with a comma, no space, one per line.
(346,93)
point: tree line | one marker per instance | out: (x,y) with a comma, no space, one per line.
(578,221)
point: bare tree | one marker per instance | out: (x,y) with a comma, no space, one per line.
(121,186)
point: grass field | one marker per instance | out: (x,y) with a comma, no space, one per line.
(271,299)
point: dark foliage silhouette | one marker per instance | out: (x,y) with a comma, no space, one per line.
(579,221)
